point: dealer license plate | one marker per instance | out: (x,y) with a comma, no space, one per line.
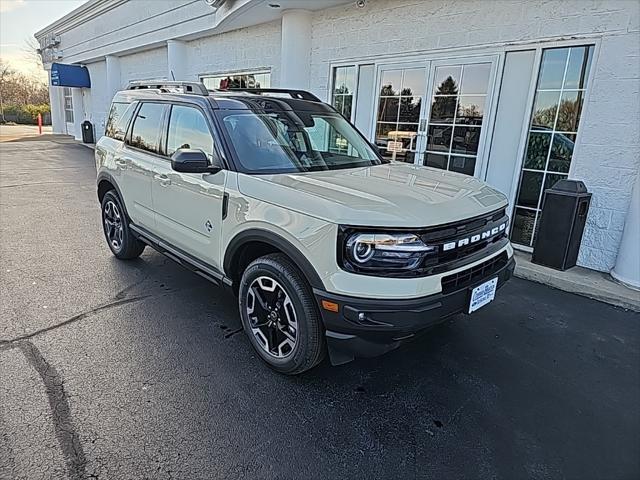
(483,294)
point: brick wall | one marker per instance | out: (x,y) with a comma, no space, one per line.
(150,64)
(252,48)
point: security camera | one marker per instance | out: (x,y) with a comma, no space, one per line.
(361,3)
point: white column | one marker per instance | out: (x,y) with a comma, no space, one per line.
(176,60)
(78,112)
(296,49)
(627,269)
(114,81)
(57,109)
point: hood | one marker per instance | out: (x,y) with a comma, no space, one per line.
(390,195)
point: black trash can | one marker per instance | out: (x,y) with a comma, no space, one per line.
(87,132)
(564,214)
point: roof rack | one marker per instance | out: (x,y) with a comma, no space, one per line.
(194,88)
(299,94)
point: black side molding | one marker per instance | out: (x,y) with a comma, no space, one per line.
(104,176)
(179,256)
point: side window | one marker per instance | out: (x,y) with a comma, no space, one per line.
(146,127)
(119,117)
(188,129)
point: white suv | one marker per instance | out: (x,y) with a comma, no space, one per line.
(275,195)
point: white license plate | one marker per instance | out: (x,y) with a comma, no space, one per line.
(483,294)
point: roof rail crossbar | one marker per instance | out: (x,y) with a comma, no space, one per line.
(299,94)
(195,88)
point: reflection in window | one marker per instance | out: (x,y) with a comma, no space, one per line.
(343,93)
(557,107)
(146,127)
(457,112)
(237,80)
(188,129)
(119,116)
(344,87)
(399,105)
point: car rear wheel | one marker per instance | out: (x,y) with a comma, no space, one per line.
(116,229)
(280,316)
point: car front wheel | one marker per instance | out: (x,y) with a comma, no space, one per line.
(279,315)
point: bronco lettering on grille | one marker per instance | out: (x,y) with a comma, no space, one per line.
(461,242)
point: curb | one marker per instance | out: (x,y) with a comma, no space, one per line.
(581,281)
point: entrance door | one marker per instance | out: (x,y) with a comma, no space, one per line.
(450,129)
(401,93)
(455,126)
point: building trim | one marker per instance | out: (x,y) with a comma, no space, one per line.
(85,12)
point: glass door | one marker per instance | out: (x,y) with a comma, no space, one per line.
(453,131)
(400,101)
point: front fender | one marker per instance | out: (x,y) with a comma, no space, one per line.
(276,240)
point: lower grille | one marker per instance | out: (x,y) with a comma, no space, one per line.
(467,277)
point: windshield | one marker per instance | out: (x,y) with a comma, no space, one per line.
(282,142)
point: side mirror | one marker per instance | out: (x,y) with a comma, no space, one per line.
(189,160)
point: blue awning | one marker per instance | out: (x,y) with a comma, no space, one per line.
(69,76)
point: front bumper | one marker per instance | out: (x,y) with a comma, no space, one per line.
(364,327)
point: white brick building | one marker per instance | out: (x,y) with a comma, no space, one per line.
(540,89)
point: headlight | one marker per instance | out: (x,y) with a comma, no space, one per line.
(384,251)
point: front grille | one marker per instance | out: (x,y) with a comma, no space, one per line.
(449,259)
(465,278)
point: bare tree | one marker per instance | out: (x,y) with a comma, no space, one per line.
(6,72)
(30,50)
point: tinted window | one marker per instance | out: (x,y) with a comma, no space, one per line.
(188,129)
(146,127)
(119,117)
(296,142)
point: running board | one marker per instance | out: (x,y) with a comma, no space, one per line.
(183,258)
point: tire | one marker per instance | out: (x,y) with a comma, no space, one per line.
(297,312)
(115,226)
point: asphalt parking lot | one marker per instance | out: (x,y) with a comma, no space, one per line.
(117,370)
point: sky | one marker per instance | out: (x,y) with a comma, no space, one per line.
(19,20)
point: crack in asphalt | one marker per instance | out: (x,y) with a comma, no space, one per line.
(63,425)
(123,293)
(75,318)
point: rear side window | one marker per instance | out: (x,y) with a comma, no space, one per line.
(188,129)
(146,127)
(119,117)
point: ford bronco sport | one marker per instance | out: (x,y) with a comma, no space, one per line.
(275,195)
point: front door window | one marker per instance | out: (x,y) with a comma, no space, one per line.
(456,117)
(399,107)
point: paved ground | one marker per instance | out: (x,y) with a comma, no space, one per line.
(135,370)
(15,132)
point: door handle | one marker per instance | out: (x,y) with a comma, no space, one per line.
(163,179)
(121,163)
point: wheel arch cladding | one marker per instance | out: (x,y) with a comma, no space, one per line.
(106,183)
(250,244)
